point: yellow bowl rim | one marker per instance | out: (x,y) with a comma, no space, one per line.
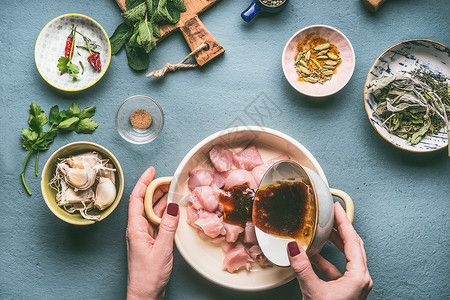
(119,192)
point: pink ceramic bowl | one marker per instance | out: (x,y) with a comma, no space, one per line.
(343,72)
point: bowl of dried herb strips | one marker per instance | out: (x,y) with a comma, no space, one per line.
(407,96)
(318,61)
(72,52)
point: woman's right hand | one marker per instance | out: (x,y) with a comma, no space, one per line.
(355,283)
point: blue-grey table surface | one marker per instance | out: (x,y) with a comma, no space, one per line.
(401,198)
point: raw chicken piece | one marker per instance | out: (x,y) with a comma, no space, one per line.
(270,162)
(192,214)
(256,253)
(205,196)
(217,240)
(259,171)
(200,177)
(239,177)
(210,224)
(227,246)
(233,232)
(221,158)
(236,258)
(219,178)
(248,158)
(249,233)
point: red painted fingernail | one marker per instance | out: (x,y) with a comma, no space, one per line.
(341,204)
(293,249)
(172,209)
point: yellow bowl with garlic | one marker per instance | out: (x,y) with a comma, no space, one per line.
(74,178)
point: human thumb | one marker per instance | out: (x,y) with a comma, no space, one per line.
(167,229)
(304,272)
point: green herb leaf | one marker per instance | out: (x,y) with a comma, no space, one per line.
(88,112)
(62,64)
(65,114)
(120,36)
(151,6)
(44,142)
(72,69)
(54,117)
(135,14)
(179,5)
(137,58)
(75,109)
(130,4)
(69,124)
(29,138)
(155,30)
(38,113)
(145,38)
(86,126)
(174,13)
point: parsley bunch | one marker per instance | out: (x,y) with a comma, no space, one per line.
(35,139)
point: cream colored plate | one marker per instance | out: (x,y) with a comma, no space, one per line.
(207,258)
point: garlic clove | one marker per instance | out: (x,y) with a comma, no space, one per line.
(105,193)
(81,179)
(77,161)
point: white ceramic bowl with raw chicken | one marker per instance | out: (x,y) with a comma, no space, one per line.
(205,257)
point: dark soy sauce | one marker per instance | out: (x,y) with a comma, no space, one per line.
(238,204)
(286,209)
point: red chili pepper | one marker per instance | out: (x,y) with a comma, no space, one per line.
(94,60)
(68,51)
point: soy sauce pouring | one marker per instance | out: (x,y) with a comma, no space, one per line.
(270,6)
(286,207)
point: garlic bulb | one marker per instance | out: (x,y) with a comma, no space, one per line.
(105,193)
(81,179)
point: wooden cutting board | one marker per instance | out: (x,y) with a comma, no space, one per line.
(193,30)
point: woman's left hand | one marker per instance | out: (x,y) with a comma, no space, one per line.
(150,250)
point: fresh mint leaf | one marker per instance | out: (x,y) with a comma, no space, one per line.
(132,42)
(179,5)
(88,112)
(120,36)
(155,30)
(151,6)
(137,58)
(145,39)
(130,4)
(69,124)
(174,13)
(135,14)
(75,109)
(86,126)
(54,117)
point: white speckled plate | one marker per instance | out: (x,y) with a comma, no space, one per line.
(343,72)
(50,47)
(407,56)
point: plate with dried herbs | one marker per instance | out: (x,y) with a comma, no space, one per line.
(72,52)
(407,95)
